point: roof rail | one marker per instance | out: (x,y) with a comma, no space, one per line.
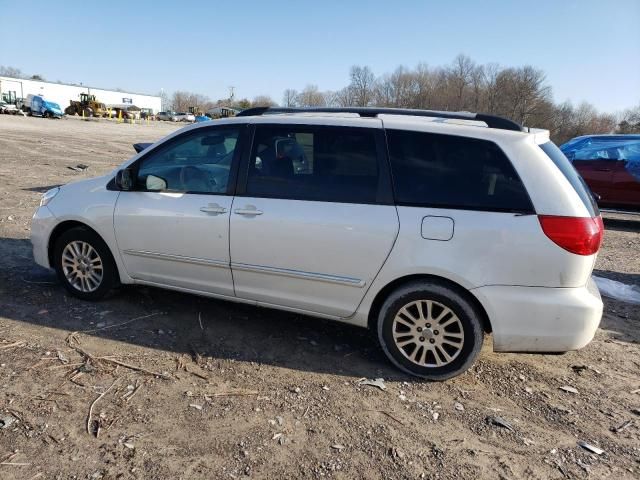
(492,121)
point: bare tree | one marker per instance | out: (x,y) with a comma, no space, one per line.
(477,87)
(629,121)
(492,92)
(460,76)
(362,85)
(164,100)
(7,71)
(425,82)
(311,97)
(263,101)
(384,93)
(344,97)
(185,101)
(289,98)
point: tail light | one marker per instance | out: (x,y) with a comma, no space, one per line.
(579,235)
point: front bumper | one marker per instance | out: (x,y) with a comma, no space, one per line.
(538,319)
(42,224)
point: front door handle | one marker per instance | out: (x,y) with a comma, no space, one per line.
(249,210)
(602,169)
(213,208)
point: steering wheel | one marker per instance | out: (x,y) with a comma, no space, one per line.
(191,179)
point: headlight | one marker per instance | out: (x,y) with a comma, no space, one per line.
(48,196)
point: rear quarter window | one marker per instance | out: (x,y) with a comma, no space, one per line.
(571,174)
(448,171)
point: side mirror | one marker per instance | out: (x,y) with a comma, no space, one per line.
(124,179)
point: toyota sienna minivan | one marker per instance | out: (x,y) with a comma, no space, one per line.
(431,229)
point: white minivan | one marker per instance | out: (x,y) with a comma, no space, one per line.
(429,228)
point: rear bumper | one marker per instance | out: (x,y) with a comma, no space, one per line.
(538,319)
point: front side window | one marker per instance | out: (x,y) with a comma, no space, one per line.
(447,171)
(314,163)
(195,162)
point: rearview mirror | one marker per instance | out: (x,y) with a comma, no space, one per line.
(124,179)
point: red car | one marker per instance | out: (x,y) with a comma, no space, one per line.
(610,165)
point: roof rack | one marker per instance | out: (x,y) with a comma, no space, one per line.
(492,121)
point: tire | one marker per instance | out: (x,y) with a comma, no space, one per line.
(88,285)
(450,318)
(45,115)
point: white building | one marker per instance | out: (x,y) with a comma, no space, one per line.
(63,93)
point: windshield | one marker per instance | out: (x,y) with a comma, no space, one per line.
(571,174)
(52,106)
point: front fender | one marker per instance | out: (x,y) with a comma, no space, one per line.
(90,203)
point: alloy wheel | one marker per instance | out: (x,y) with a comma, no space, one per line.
(428,333)
(82,266)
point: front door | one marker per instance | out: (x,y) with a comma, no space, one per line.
(173,229)
(314,222)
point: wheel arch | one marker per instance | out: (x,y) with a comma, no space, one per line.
(67,225)
(384,292)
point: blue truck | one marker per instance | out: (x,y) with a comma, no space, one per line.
(40,107)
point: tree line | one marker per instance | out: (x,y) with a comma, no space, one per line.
(518,93)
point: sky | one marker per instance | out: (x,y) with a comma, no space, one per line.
(589,50)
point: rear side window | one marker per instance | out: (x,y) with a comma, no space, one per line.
(574,178)
(314,163)
(447,171)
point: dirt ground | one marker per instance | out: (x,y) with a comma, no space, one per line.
(178,386)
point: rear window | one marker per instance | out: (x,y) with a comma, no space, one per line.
(571,174)
(447,171)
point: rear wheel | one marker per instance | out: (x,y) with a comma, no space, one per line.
(84,264)
(430,330)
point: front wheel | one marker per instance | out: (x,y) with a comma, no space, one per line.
(84,264)
(430,330)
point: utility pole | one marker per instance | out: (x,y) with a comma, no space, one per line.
(231,93)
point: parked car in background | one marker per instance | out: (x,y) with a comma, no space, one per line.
(40,107)
(184,117)
(222,112)
(146,113)
(127,112)
(167,116)
(610,165)
(8,108)
(132,112)
(428,232)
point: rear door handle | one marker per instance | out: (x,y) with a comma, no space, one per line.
(249,210)
(602,169)
(213,208)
